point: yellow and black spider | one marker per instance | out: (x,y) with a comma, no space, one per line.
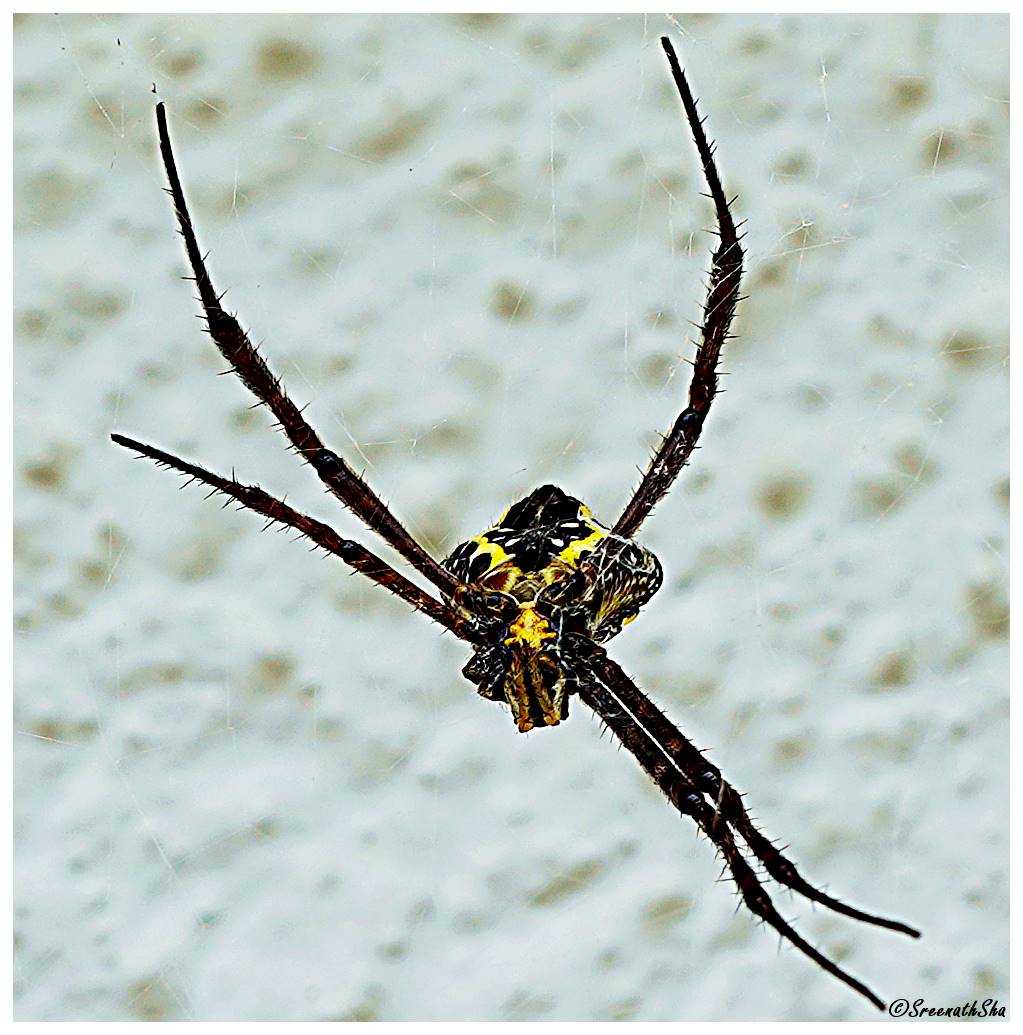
(536,595)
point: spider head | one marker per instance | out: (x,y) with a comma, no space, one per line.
(544,579)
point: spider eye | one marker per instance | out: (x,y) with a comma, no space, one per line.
(494,600)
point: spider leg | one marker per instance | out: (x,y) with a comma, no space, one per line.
(707,778)
(687,799)
(718,310)
(353,554)
(249,365)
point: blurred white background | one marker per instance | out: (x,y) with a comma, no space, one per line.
(250,786)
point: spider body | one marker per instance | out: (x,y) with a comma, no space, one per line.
(547,574)
(535,596)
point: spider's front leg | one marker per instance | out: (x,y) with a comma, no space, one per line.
(707,778)
(687,798)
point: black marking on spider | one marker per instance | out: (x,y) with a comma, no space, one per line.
(537,595)
(555,571)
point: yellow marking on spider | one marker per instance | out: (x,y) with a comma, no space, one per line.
(631,618)
(576,548)
(530,628)
(497,553)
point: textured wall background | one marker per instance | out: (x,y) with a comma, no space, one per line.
(249,786)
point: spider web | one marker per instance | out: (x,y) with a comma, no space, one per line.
(250,787)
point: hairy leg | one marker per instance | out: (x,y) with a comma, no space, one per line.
(249,365)
(718,310)
(688,801)
(707,778)
(353,554)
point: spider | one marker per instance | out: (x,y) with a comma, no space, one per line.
(537,595)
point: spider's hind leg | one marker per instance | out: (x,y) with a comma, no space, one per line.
(253,498)
(247,362)
(718,310)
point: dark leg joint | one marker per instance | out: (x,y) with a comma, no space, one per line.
(223,326)
(348,550)
(690,420)
(688,800)
(327,462)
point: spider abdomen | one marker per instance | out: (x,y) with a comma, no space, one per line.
(545,570)
(549,549)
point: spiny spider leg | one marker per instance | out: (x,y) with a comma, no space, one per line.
(353,554)
(250,366)
(718,310)
(707,778)
(688,800)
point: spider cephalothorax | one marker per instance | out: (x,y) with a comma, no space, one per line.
(547,574)
(537,595)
